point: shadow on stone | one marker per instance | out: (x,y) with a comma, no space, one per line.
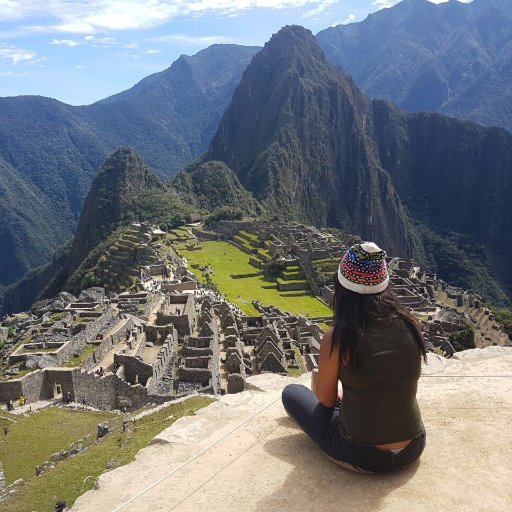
(319,483)
(286,421)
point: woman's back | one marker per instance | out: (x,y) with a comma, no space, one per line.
(379,390)
(378,425)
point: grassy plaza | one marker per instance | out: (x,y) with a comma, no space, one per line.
(226,259)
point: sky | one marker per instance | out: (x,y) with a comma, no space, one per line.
(80,51)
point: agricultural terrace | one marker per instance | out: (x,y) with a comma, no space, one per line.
(225,260)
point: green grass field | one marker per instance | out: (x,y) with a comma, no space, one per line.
(78,360)
(34,438)
(226,259)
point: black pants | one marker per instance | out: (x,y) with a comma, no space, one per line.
(322,424)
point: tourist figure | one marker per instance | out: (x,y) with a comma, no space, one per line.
(83,402)
(68,397)
(22,400)
(375,349)
(61,506)
(6,431)
(10,405)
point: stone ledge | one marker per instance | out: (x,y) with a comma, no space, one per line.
(269,465)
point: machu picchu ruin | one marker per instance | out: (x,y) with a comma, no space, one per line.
(174,333)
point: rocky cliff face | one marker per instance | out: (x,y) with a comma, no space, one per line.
(310,146)
(298,135)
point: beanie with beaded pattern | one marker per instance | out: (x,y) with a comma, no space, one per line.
(363,269)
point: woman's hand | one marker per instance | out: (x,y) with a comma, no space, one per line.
(328,372)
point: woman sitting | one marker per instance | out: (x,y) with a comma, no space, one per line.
(375,349)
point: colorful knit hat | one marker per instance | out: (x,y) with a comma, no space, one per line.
(363,269)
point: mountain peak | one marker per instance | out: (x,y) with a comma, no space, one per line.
(291,41)
(121,178)
(295,123)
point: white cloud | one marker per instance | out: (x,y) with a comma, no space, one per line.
(193,40)
(65,42)
(12,74)
(93,16)
(79,66)
(349,19)
(322,6)
(131,45)
(17,55)
(152,52)
(101,41)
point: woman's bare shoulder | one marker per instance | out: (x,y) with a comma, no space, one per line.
(326,347)
(327,337)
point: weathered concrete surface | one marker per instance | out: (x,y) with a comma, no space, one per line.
(269,465)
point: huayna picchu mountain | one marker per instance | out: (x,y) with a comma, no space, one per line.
(301,137)
(298,135)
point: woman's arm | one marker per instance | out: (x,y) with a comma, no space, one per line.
(328,371)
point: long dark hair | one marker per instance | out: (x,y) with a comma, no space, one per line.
(352,311)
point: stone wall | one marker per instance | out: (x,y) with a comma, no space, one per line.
(179,287)
(100,392)
(33,387)
(165,356)
(158,333)
(201,375)
(11,390)
(107,392)
(206,235)
(62,377)
(228,228)
(285,287)
(156,270)
(191,351)
(185,321)
(136,371)
(108,342)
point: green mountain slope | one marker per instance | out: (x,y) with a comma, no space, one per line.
(28,220)
(211,185)
(453,57)
(169,118)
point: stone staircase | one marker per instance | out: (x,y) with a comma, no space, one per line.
(119,268)
(488,331)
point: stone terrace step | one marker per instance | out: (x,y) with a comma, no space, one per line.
(269,465)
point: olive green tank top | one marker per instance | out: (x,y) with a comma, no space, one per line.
(379,393)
